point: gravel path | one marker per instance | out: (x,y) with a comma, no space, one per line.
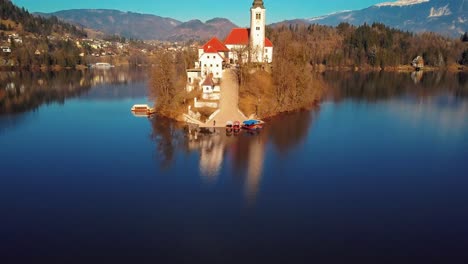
(229,103)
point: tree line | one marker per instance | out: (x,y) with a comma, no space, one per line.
(168,81)
(42,52)
(374,46)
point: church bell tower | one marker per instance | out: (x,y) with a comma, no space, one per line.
(257,31)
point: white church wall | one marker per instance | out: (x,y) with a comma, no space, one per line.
(269,54)
(257,33)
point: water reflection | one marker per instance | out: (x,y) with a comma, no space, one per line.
(26,91)
(169,137)
(433,96)
(246,150)
(416,98)
(375,86)
(417,76)
(447,113)
(211,145)
(244,153)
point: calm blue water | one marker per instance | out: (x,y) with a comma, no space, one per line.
(371,176)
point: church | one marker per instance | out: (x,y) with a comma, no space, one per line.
(241,45)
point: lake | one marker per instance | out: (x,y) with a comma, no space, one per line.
(377,174)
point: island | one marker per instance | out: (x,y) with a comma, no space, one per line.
(260,72)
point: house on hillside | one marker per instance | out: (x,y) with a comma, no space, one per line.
(5,49)
(212,56)
(210,86)
(418,63)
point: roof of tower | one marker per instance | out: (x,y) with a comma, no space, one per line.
(258,3)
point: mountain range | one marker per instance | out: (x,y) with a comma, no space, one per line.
(447,17)
(144,26)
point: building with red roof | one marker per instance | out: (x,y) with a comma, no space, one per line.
(212,57)
(241,45)
(238,43)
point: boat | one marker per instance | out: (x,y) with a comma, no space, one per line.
(253,124)
(236,126)
(143,109)
(229,126)
(102,65)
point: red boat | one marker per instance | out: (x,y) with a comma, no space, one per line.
(236,126)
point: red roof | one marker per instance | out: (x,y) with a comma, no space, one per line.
(214,46)
(238,36)
(208,81)
(241,36)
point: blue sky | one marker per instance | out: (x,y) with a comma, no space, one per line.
(184,10)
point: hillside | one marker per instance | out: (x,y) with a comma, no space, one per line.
(113,22)
(447,17)
(19,20)
(197,30)
(144,26)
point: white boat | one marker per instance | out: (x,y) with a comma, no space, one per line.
(102,65)
(143,109)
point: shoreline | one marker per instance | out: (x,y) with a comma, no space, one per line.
(316,104)
(316,68)
(403,69)
(399,68)
(58,68)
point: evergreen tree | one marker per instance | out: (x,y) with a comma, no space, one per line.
(464,38)
(464,58)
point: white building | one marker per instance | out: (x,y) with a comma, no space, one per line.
(5,49)
(212,57)
(250,44)
(241,45)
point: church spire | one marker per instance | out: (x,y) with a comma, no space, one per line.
(258,3)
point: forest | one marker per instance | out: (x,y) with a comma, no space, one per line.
(290,84)
(369,46)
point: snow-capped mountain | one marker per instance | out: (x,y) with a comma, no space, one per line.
(447,17)
(402,3)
